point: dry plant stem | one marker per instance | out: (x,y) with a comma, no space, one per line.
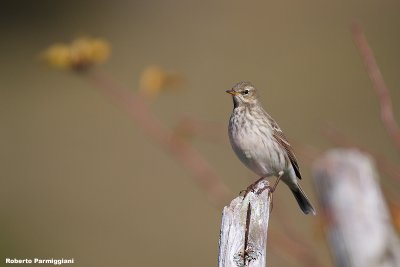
(138,109)
(378,83)
(213,132)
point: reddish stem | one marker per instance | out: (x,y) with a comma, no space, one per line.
(137,108)
(378,82)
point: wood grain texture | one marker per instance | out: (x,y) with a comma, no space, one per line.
(233,230)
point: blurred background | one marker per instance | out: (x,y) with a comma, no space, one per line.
(80,180)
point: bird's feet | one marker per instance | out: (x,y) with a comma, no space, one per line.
(253,186)
(272,190)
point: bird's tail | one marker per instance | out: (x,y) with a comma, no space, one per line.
(301,197)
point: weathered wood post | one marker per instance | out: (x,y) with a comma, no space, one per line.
(358,225)
(243,236)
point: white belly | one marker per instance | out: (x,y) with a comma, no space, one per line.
(253,149)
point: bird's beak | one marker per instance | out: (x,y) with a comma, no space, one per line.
(231,92)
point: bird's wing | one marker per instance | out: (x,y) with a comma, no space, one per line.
(284,143)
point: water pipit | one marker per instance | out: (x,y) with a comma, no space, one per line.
(260,144)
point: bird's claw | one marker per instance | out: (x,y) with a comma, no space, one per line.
(252,188)
(249,189)
(271,197)
(241,192)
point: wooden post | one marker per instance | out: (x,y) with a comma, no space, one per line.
(243,236)
(358,225)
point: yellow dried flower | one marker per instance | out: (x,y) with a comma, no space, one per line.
(58,55)
(81,54)
(155,80)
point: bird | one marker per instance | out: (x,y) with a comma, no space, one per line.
(260,144)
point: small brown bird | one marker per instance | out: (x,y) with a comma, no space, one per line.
(261,145)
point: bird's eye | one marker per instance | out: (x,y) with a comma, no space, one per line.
(245,92)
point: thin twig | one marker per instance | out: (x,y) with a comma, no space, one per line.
(378,82)
(137,108)
(209,131)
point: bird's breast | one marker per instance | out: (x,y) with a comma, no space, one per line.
(251,139)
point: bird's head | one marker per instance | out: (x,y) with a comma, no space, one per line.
(243,94)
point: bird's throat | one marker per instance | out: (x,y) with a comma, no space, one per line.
(235,102)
